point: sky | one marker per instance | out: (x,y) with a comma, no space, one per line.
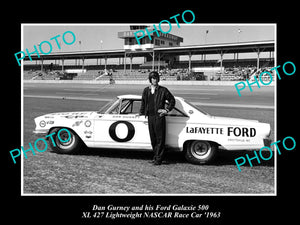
(105,36)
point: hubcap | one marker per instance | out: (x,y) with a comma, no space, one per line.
(64,141)
(200,149)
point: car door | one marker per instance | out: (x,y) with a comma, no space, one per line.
(122,127)
(176,121)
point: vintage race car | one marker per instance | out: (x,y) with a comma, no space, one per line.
(119,125)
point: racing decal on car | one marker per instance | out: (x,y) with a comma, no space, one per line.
(231,131)
(124,116)
(42,123)
(205,130)
(88,123)
(241,131)
(239,139)
(130,131)
(88,133)
(77,123)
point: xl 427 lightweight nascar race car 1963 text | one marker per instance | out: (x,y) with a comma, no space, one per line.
(118,125)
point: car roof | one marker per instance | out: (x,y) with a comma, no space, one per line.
(138,97)
(130,96)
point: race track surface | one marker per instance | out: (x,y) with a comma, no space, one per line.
(105,171)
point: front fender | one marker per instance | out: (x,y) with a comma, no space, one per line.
(82,127)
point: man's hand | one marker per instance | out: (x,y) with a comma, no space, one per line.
(162,112)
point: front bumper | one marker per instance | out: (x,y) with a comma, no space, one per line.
(40,132)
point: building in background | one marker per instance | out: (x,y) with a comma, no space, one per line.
(163,40)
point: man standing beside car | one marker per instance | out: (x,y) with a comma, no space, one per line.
(154,107)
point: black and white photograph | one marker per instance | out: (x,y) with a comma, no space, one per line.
(94,94)
(168,116)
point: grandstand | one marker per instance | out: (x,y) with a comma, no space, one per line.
(233,70)
(161,54)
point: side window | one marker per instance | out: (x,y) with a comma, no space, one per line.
(125,105)
(115,109)
(176,112)
(130,106)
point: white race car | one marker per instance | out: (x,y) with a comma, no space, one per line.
(118,125)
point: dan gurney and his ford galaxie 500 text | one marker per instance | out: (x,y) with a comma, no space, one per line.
(118,125)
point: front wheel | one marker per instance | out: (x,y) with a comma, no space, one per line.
(200,152)
(65,141)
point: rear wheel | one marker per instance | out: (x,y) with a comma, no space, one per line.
(65,141)
(200,152)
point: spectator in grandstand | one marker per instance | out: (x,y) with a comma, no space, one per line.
(154,107)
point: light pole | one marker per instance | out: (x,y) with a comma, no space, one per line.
(238,40)
(238,37)
(79,45)
(101,44)
(205,37)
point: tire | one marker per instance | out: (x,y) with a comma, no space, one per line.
(200,152)
(65,143)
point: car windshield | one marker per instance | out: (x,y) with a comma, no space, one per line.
(196,107)
(108,106)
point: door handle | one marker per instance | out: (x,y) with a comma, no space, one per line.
(145,122)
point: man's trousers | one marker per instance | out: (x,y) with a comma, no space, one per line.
(157,131)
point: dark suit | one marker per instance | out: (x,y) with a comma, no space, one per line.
(151,103)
